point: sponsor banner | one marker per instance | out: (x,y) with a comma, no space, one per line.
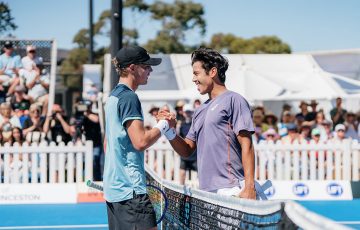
(37,193)
(310,190)
(87,194)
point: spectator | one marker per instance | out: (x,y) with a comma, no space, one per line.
(338,113)
(292,136)
(270,135)
(189,163)
(339,132)
(29,63)
(304,114)
(6,133)
(58,126)
(259,125)
(327,134)
(197,103)
(89,122)
(305,131)
(312,114)
(351,126)
(10,65)
(38,85)
(17,135)
(315,135)
(270,120)
(33,126)
(6,115)
(285,121)
(179,110)
(20,103)
(153,112)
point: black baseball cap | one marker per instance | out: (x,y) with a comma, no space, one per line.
(135,55)
(8,45)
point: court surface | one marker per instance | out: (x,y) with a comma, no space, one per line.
(93,215)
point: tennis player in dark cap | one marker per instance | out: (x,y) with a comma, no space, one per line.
(128,205)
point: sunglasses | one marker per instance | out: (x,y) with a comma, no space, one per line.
(32,51)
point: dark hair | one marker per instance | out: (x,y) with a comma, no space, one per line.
(211,58)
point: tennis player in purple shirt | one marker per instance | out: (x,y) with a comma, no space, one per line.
(220,132)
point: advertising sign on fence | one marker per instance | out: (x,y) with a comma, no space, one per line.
(310,190)
(38,193)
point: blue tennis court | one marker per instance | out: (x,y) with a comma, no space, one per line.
(93,215)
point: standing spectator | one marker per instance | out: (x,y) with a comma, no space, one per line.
(304,114)
(10,65)
(38,85)
(188,163)
(312,114)
(89,122)
(57,124)
(351,126)
(179,110)
(6,115)
(338,113)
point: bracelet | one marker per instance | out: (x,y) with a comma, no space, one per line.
(163,126)
(170,134)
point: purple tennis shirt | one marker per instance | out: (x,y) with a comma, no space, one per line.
(214,128)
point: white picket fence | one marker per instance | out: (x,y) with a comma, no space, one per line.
(278,161)
(46,163)
(51,163)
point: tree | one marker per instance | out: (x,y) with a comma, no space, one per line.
(229,43)
(6,20)
(176,19)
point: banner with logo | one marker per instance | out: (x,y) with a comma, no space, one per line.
(38,193)
(310,190)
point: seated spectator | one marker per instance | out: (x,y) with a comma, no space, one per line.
(58,126)
(33,126)
(29,63)
(17,135)
(315,135)
(326,130)
(6,133)
(305,131)
(339,134)
(38,85)
(285,120)
(270,135)
(20,103)
(196,103)
(338,113)
(6,115)
(270,120)
(10,65)
(293,135)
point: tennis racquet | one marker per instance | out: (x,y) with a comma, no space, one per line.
(156,195)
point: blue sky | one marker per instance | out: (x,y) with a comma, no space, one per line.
(306,25)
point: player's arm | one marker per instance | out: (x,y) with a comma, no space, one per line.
(248,161)
(142,138)
(184,147)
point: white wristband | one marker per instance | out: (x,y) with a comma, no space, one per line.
(170,134)
(163,126)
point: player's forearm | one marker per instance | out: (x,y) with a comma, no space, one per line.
(248,159)
(147,139)
(181,147)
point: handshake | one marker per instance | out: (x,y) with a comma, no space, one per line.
(166,123)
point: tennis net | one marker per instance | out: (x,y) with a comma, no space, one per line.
(181,207)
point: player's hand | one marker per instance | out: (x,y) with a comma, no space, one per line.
(248,193)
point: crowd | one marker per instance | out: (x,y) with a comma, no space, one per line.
(24,116)
(309,124)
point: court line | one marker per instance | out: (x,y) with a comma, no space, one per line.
(58,226)
(348,222)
